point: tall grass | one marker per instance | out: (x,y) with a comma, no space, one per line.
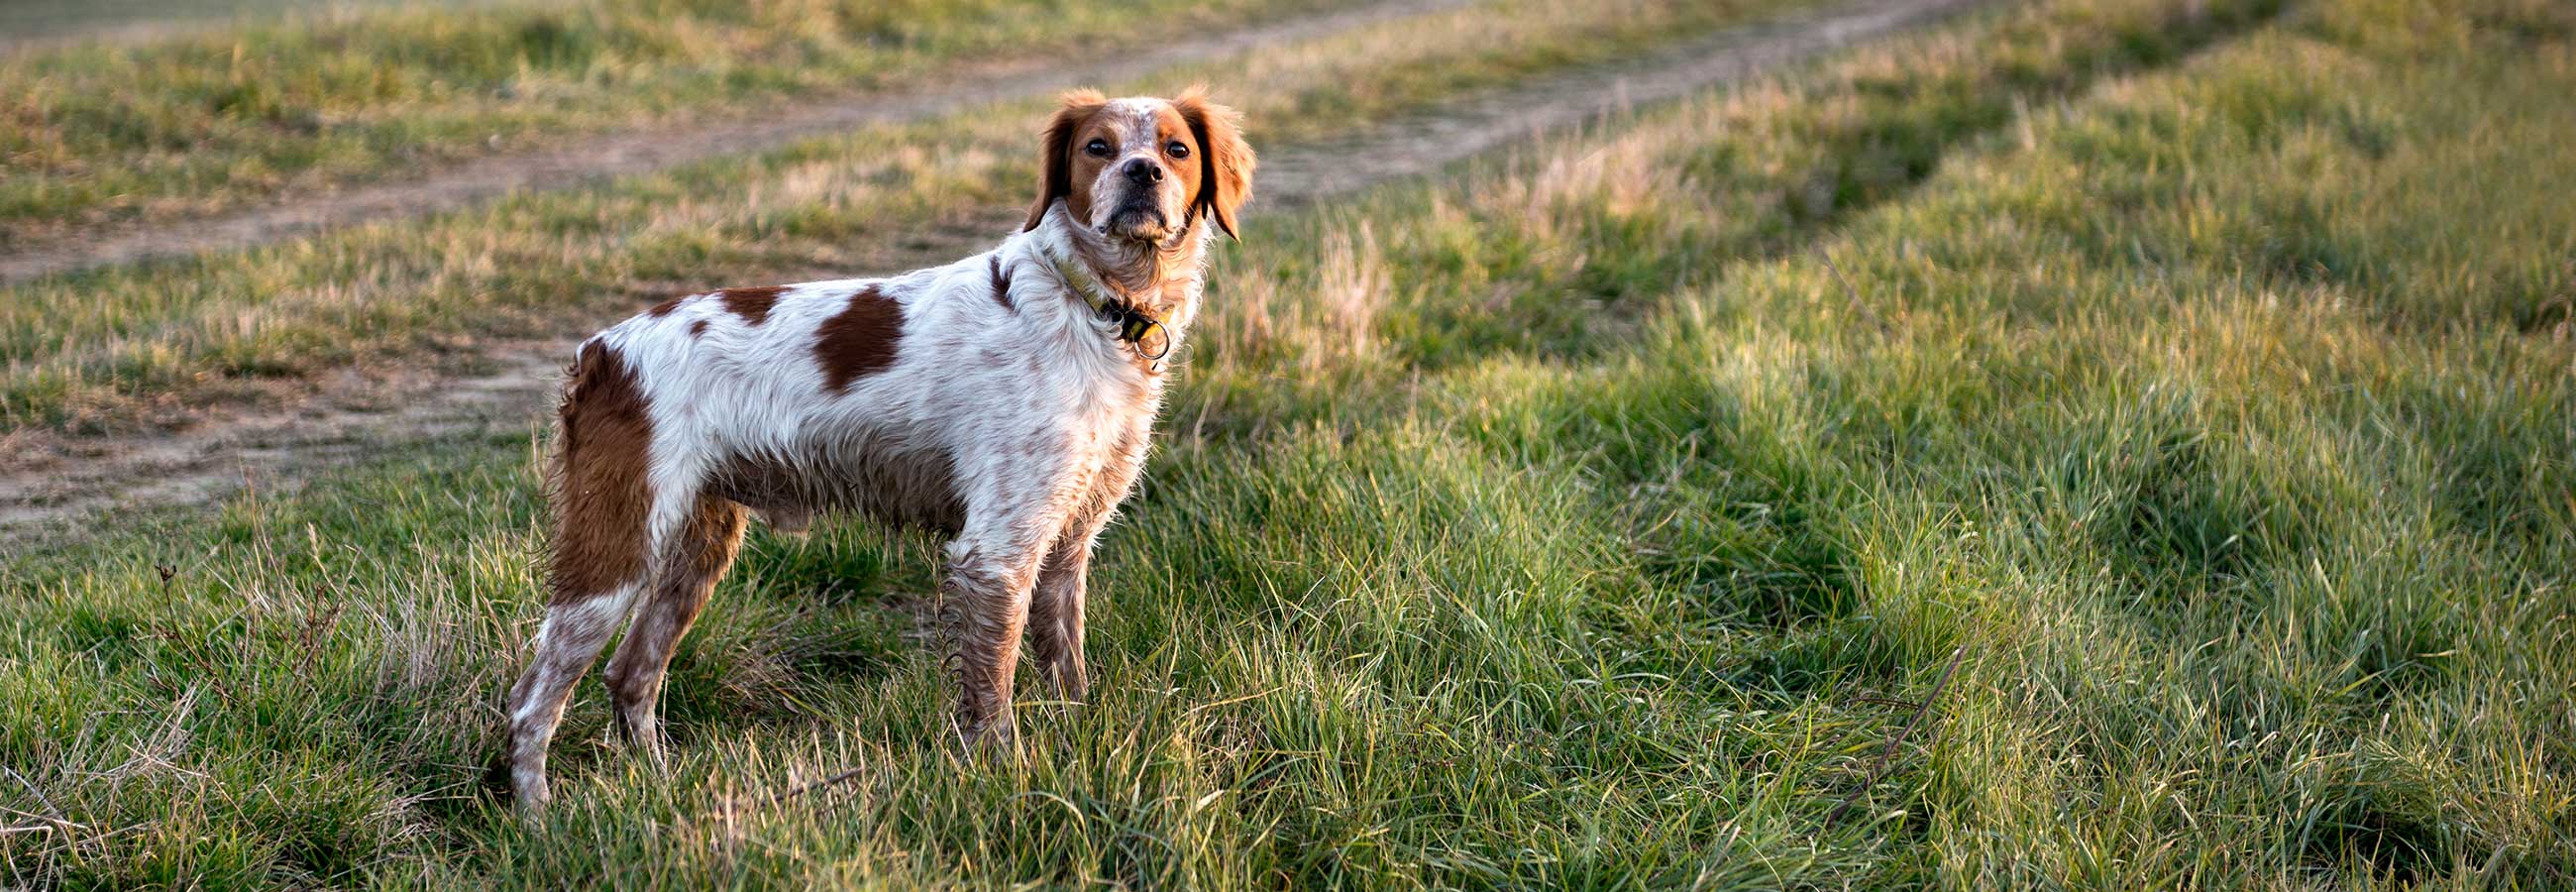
(2255,570)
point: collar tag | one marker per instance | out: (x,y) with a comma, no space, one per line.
(1134,327)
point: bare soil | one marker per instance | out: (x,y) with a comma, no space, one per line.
(54,480)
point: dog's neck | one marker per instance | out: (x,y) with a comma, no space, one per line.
(1161,279)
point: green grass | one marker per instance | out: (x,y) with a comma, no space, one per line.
(114,348)
(203,123)
(2206,398)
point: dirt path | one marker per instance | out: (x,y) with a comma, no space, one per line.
(41,23)
(355,416)
(622,154)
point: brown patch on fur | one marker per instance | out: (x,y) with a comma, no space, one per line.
(1226,161)
(667,307)
(1056,158)
(601,492)
(698,328)
(752,304)
(859,341)
(1002,284)
(713,533)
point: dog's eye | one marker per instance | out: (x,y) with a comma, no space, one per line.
(1098,148)
(1178,150)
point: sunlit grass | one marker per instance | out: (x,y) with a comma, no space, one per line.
(1622,579)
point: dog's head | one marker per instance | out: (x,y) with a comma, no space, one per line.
(1143,168)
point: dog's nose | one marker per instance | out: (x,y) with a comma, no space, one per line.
(1142,172)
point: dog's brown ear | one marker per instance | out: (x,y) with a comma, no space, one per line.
(1055,159)
(1225,160)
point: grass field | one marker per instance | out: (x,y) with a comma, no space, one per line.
(55,22)
(111,132)
(2179,396)
(122,347)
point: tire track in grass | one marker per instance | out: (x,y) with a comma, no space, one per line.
(1423,144)
(352,417)
(645,151)
(1863,161)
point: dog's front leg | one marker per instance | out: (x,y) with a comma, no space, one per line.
(1056,609)
(985,604)
(1013,518)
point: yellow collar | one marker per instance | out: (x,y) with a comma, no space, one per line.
(1134,324)
(1084,284)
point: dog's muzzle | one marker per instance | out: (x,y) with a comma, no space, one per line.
(1137,219)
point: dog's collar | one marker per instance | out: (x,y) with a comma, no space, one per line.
(1134,324)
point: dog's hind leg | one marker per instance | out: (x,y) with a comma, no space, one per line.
(607,523)
(686,570)
(566,645)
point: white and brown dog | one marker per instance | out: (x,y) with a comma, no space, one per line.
(1004,399)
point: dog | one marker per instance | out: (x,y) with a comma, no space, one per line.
(1004,400)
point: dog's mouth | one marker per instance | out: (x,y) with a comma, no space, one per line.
(1138,221)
